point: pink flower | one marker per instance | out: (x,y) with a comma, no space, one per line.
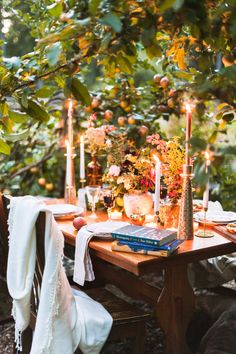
(114,171)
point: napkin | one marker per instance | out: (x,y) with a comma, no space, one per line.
(83,269)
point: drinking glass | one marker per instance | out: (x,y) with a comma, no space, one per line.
(108,199)
(93,193)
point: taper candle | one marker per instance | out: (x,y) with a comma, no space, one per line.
(157,184)
(188,131)
(70,123)
(68,164)
(207,189)
(82,167)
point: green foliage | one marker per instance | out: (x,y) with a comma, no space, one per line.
(111,51)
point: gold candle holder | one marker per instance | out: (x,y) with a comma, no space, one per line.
(185,226)
(70,188)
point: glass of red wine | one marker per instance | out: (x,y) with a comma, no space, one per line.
(108,199)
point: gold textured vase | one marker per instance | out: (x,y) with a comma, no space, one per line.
(185,227)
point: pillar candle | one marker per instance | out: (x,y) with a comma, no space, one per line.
(188,131)
(157,185)
(68,164)
(82,168)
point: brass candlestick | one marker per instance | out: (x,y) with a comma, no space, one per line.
(185,227)
(70,189)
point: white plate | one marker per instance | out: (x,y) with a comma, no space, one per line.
(216,217)
(65,209)
(105,228)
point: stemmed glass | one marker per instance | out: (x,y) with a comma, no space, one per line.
(93,193)
(108,199)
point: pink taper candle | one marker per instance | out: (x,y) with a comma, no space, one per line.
(188,132)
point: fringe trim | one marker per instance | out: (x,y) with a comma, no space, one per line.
(55,285)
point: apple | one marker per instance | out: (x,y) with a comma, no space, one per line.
(42,181)
(34,169)
(79,222)
(131,120)
(49,186)
(108,114)
(95,102)
(143,130)
(164,82)
(157,78)
(121,121)
(88,109)
(123,104)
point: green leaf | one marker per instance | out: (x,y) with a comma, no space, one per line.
(12,63)
(16,137)
(55,9)
(80,91)
(45,92)
(18,117)
(4,148)
(54,53)
(36,111)
(124,64)
(112,20)
(93,6)
(166,4)
(198,143)
(154,51)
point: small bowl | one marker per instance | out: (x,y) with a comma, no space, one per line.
(137,219)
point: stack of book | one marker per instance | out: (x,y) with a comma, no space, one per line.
(145,240)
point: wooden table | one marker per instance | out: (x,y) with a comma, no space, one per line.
(175,302)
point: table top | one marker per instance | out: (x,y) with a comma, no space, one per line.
(189,251)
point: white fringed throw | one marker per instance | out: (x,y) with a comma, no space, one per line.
(64,320)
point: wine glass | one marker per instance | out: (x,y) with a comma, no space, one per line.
(108,199)
(93,193)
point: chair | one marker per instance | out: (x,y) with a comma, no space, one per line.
(127,320)
(6,316)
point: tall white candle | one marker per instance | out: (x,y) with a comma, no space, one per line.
(207,189)
(157,184)
(82,168)
(68,164)
(188,131)
(70,123)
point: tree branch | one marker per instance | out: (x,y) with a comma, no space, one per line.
(48,73)
(35,164)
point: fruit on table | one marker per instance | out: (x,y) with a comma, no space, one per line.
(79,222)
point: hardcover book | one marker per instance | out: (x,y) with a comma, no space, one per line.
(121,246)
(144,234)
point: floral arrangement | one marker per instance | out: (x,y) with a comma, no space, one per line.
(132,169)
(96,138)
(172,155)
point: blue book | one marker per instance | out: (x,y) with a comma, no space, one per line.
(144,234)
(144,246)
(122,246)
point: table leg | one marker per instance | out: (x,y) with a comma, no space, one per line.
(175,308)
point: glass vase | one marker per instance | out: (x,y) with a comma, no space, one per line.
(169,214)
(94,172)
(138,202)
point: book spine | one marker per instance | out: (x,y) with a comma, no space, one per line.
(127,249)
(135,239)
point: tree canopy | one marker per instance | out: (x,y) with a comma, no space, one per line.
(143,59)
